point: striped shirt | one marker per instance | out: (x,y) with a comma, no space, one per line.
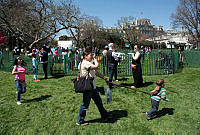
(160,95)
(20,76)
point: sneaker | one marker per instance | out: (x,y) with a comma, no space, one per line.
(116,80)
(82,124)
(36,80)
(133,87)
(147,116)
(19,103)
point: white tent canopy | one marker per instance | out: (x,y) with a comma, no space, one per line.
(65,44)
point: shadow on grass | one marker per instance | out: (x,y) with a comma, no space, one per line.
(123,79)
(146,84)
(57,76)
(37,99)
(126,84)
(163,112)
(117,114)
(54,77)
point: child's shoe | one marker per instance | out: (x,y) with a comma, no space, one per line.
(147,116)
(82,124)
(133,87)
(19,103)
(36,80)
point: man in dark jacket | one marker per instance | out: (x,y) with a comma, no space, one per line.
(44,60)
(113,60)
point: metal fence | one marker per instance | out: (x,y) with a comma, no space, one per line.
(151,65)
(190,58)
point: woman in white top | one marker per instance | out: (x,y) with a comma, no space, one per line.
(90,63)
(137,73)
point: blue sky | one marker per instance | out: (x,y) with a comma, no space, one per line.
(109,11)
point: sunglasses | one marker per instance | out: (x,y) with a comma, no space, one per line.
(19,58)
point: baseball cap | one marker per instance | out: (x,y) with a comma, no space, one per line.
(106,47)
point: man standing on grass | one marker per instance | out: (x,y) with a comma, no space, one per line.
(44,60)
(113,60)
(104,59)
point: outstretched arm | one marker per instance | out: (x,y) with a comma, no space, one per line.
(96,65)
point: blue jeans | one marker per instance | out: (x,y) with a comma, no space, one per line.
(35,72)
(20,89)
(154,109)
(112,72)
(85,104)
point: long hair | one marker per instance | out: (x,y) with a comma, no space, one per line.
(16,61)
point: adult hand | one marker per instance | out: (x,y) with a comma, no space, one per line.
(153,92)
(94,56)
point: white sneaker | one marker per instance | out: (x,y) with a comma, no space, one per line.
(133,87)
(19,103)
(116,80)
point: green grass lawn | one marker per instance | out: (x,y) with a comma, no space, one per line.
(51,107)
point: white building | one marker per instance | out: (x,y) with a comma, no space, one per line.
(173,36)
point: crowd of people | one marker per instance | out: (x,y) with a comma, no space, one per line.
(89,63)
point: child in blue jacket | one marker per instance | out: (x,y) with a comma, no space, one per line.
(35,67)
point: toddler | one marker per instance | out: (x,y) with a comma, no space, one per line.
(157,94)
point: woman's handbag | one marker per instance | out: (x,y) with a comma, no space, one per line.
(83,84)
(133,66)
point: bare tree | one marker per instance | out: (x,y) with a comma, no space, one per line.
(188,16)
(37,20)
(87,31)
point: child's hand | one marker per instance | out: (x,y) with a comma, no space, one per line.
(153,92)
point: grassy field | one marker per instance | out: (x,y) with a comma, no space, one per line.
(51,107)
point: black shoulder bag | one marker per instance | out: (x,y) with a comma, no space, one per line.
(83,84)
